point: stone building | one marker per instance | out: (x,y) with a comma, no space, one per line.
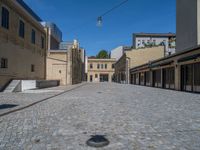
(117,53)
(134,58)
(22,43)
(187,24)
(65,60)
(65,65)
(168,40)
(180,71)
(29,49)
(100,70)
(53,34)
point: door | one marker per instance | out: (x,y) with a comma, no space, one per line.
(104,77)
(59,73)
(196,87)
(157,78)
(91,78)
(147,78)
(168,78)
(187,78)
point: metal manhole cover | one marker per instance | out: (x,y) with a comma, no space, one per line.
(97,141)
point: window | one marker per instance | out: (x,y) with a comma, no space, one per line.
(113,66)
(4,63)
(147,77)
(143,42)
(42,42)
(33,36)
(101,66)
(91,66)
(197,74)
(21,29)
(105,66)
(164,43)
(189,75)
(154,42)
(5,18)
(139,42)
(32,68)
(96,75)
(98,66)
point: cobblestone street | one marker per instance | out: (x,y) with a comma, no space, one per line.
(131,117)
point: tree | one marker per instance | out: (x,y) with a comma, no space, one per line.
(103,54)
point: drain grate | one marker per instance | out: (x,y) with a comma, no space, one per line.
(97,141)
(6,106)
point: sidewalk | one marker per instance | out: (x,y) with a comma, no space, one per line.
(11,102)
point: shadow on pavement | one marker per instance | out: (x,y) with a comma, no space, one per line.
(6,106)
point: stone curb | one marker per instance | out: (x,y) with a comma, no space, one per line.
(39,101)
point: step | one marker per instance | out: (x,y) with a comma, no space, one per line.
(12,86)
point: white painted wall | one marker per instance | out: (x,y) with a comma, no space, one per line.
(117,52)
(86,64)
(145,39)
(28,84)
(139,43)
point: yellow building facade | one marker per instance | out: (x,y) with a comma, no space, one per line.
(22,44)
(65,65)
(135,57)
(100,70)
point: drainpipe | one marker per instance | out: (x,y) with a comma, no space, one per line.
(127,69)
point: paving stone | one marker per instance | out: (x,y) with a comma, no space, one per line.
(131,117)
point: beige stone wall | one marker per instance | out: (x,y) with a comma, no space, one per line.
(65,66)
(120,69)
(57,67)
(142,56)
(76,66)
(21,53)
(133,58)
(95,71)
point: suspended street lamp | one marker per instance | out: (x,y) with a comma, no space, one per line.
(99,21)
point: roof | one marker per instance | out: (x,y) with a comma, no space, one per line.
(155,34)
(29,10)
(97,59)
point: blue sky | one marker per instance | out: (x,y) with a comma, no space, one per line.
(77,20)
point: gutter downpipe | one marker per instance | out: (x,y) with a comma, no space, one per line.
(127,70)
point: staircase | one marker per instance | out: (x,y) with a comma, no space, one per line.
(12,86)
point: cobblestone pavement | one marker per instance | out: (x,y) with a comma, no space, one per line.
(22,99)
(131,117)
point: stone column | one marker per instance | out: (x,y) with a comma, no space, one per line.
(151,78)
(177,76)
